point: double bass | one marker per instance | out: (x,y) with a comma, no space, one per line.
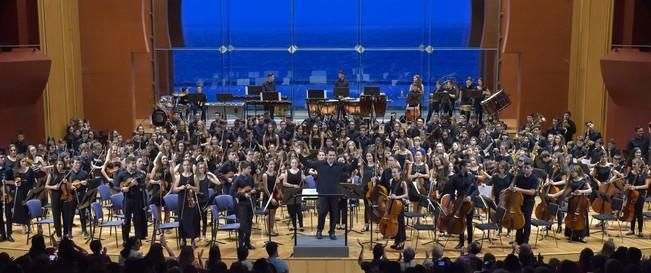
(511,200)
(602,202)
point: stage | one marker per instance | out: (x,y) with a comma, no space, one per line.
(547,247)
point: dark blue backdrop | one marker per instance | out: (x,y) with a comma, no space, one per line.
(233,43)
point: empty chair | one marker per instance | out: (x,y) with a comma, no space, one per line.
(98,221)
(35,212)
(158,226)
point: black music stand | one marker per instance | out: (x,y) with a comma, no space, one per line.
(352,191)
(288,199)
(316,94)
(253,90)
(224,98)
(371,90)
(341,92)
(436,210)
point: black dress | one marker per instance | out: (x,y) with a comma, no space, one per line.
(295,209)
(576,235)
(397,189)
(189,217)
(271,183)
(20,211)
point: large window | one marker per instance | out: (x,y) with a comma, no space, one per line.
(229,44)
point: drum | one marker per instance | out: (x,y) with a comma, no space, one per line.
(365,105)
(314,106)
(158,118)
(352,107)
(328,108)
(496,103)
(412,113)
(380,105)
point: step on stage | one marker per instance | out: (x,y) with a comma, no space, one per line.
(310,246)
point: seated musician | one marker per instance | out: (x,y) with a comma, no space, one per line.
(341,80)
(576,186)
(415,95)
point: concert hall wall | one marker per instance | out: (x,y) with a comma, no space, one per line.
(229,44)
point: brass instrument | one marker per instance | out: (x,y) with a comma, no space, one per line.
(539,119)
(566,125)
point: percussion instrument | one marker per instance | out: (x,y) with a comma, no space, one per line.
(352,107)
(465,108)
(380,105)
(412,113)
(314,106)
(328,107)
(159,118)
(496,103)
(366,105)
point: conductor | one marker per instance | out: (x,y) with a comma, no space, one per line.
(329,174)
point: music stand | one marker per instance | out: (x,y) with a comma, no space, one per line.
(436,210)
(271,96)
(224,98)
(253,90)
(341,92)
(371,90)
(288,199)
(316,94)
(351,191)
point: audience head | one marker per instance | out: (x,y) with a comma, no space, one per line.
(96,246)
(272,249)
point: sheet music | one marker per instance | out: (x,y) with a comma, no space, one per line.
(308,191)
(485,190)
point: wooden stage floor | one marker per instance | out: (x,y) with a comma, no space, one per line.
(548,247)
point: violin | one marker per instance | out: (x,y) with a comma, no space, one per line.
(66,191)
(189,195)
(245,189)
(378,197)
(6,194)
(511,200)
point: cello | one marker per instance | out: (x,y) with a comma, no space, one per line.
(630,199)
(388,225)
(511,200)
(456,211)
(577,211)
(542,209)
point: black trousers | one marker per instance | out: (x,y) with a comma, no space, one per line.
(328,204)
(133,212)
(245,216)
(342,212)
(204,217)
(63,214)
(368,211)
(294,214)
(522,235)
(433,108)
(638,217)
(6,216)
(83,213)
(469,228)
(402,233)
(447,108)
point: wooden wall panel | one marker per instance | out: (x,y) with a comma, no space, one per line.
(591,37)
(59,36)
(117,65)
(540,55)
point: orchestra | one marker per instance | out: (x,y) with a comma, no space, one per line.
(402,164)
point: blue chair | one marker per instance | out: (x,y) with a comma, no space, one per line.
(172,204)
(104,193)
(117,205)
(35,212)
(311,183)
(223,203)
(158,226)
(98,220)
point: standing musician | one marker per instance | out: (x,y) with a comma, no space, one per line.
(63,212)
(479,110)
(369,173)
(330,174)
(434,105)
(185,185)
(159,182)
(205,180)
(269,187)
(462,185)
(341,79)
(636,181)
(465,101)
(131,181)
(6,207)
(242,189)
(415,94)
(418,172)
(399,191)
(569,127)
(294,178)
(79,178)
(576,186)
(527,184)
